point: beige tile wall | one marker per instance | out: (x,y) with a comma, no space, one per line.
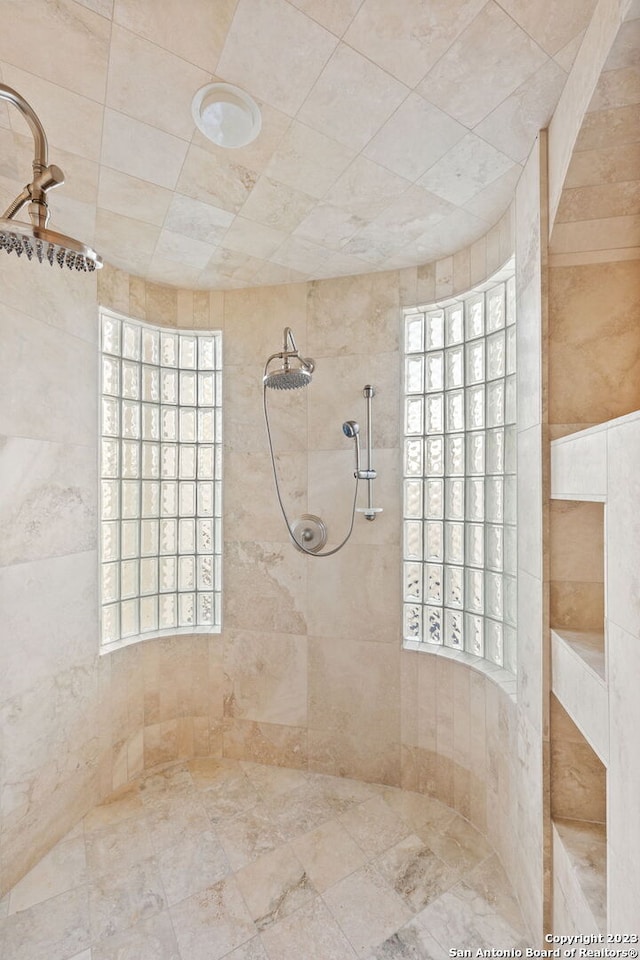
(594,352)
(309,671)
(50,739)
(530,835)
(312,670)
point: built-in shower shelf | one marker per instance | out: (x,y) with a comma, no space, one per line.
(580,871)
(578,680)
(579,465)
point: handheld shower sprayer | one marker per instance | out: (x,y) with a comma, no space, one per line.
(351,429)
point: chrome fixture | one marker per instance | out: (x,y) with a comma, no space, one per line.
(368,474)
(351,429)
(35,239)
(309,533)
(288,377)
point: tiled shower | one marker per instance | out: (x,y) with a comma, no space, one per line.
(307,692)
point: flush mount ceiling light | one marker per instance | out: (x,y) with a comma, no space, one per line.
(226,115)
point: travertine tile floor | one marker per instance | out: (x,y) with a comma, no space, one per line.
(219,858)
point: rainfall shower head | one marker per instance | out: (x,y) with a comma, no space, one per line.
(35,240)
(288,376)
(46,245)
(284,379)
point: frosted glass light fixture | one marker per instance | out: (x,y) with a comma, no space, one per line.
(226,115)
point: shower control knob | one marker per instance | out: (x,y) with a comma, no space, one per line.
(309,533)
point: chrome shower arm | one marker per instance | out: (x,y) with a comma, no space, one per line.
(44,176)
(282,355)
(35,240)
(39,136)
(288,338)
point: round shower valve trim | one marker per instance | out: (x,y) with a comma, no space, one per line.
(309,532)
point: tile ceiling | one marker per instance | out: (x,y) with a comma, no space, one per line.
(393,130)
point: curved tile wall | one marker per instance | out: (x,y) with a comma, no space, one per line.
(281,684)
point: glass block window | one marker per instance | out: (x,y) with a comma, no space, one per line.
(160,469)
(459,566)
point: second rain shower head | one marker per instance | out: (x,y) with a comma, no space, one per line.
(288,376)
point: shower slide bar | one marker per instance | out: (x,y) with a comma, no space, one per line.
(369,474)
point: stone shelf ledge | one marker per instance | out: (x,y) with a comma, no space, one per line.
(579,461)
(579,683)
(580,873)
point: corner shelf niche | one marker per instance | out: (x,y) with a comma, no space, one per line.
(578,681)
(595,655)
(580,702)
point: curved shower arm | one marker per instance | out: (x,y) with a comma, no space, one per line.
(306,362)
(39,136)
(44,176)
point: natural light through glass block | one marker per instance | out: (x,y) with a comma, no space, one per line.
(161,458)
(459,469)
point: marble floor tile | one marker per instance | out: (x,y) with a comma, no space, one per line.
(415,872)
(305,809)
(228,796)
(171,821)
(117,847)
(374,826)
(63,868)
(192,864)
(123,898)
(211,923)
(458,844)
(328,854)
(273,781)
(251,950)
(53,930)
(479,911)
(153,939)
(419,812)
(217,859)
(367,908)
(311,932)
(494,893)
(274,886)
(249,836)
(410,942)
